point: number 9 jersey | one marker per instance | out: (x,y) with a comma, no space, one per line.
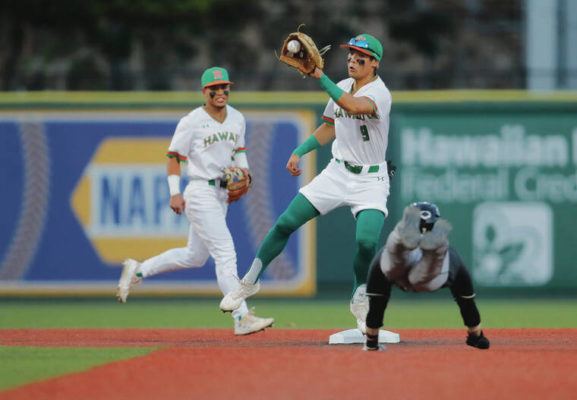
(361,139)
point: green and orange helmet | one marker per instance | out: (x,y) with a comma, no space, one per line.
(214,76)
(366,44)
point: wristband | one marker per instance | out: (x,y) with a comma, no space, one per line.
(173,184)
(308,145)
(331,88)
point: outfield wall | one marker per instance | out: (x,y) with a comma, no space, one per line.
(82,177)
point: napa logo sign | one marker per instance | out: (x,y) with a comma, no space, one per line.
(122,201)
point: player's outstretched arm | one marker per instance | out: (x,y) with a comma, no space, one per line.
(356,105)
(350,103)
(324,134)
(173,171)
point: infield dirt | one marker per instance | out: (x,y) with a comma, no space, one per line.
(299,364)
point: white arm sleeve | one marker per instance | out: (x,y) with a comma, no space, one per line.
(180,142)
(329,112)
(382,102)
(240,159)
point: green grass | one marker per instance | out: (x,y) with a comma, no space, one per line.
(21,365)
(420,312)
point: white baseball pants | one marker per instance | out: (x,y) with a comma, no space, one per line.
(336,187)
(208,235)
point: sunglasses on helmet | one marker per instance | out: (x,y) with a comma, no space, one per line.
(358,43)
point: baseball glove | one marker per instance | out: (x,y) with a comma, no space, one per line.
(307,58)
(237,181)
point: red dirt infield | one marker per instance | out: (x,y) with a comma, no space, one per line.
(299,364)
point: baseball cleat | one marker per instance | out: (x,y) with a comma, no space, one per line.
(127,279)
(478,341)
(359,307)
(379,347)
(234,299)
(408,228)
(250,323)
(372,343)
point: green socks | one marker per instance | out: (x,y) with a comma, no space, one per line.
(369,225)
(299,211)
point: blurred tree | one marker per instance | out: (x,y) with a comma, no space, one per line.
(55,30)
(422,29)
(159,45)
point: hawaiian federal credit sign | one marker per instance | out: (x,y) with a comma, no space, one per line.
(507,181)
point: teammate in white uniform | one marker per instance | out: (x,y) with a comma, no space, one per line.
(208,138)
(357,118)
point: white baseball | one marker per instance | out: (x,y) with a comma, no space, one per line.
(293,46)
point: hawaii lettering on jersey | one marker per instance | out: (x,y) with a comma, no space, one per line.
(220,137)
(340,113)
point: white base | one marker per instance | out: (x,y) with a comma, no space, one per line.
(351,336)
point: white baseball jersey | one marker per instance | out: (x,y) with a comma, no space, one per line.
(361,139)
(208,145)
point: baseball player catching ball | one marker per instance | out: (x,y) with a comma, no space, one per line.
(417,258)
(208,138)
(356,120)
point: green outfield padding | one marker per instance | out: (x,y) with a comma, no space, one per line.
(76,100)
(22,365)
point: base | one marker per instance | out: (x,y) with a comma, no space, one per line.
(351,336)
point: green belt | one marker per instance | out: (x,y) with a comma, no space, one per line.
(357,169)
(212,182)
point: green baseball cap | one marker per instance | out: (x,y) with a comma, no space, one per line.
(214,76)
(366,44)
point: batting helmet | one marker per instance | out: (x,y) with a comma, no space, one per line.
(429,214)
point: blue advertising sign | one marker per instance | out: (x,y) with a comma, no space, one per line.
(84,191)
